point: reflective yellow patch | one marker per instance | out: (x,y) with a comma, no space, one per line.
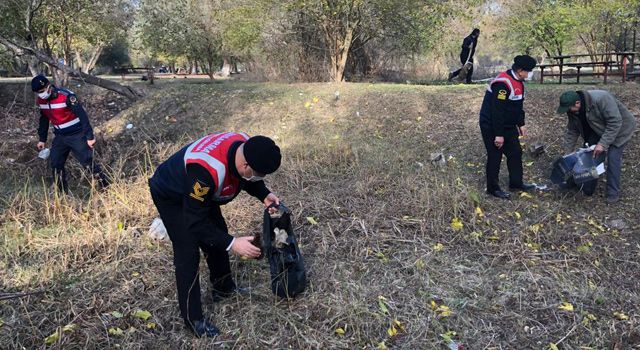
(199,192)
(502,95)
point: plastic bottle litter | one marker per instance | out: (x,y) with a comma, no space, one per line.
(44,154)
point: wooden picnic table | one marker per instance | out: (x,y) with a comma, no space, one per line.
(622,59)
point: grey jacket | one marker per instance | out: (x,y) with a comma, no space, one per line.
(608,118)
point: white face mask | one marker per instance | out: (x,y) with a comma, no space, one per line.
(529,76)
(45,94)
(254,178)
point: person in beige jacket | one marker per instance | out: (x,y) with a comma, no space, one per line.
(601,120)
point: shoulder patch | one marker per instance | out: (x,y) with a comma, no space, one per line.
(73,100)
(199,191)
(502,94)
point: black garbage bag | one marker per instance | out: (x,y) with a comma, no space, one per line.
(288,275)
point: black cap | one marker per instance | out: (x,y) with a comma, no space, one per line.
(524,62)
(39,82)
(262,154)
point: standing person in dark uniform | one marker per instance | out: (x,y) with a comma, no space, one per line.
(188,190)
(72,128)
(502,121)
(466,54)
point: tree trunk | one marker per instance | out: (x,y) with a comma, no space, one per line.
(18,50)
(226,67)
(95,54)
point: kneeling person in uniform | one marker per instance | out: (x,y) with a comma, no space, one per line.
(188,190)
(72,129)
(502,122)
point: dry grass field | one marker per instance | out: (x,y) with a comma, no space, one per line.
(401,253)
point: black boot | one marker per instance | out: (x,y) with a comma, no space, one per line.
(500,194)
(524,187)
(202,328)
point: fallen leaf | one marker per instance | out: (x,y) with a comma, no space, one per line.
(392,331)
(151,325)
(525,195)
(621,316)
(553,346)
(307,104)
(69,328)
(443,311)
(382,346)
(528,164)
(382,304)
(311,220)
(315,100)
(456,224)
(438,247)
(116,331)
(566,307)
(517,215)
(142,314)
(117,314)
(340,331)
(479,212)
(52,338)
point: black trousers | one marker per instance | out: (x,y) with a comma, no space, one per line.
(77,143)
(186,257)
(511,148)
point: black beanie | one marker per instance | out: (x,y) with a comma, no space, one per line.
(262,154)
(525,62)
(39,82)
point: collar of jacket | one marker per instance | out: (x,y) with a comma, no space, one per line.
(231,158)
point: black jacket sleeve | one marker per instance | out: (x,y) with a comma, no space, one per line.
(256,189)
(78,110)
(43,128)
(197,205)
(499,98)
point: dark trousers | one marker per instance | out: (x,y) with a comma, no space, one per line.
(463,60)
(511,148)
(614,173)
(186,257)
(77,143)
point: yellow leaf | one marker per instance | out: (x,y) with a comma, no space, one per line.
(517,215)
(443,311)
(135,274)
(120,226)
(456,224)
(69,328)
(142,314)
(382,304)
(438,247)
(311,220)
(52,338)
(315,100)
(420,264)
(621,316)
(307,104)
(382,346)
(553,346)
(115,331)
(398,324)
(419,118)
(340,331)
(535,228)
(525,195)
(479,212)
(433,305)
(566,307)
(392,331)
(528,163)
(116,314)
(151,325)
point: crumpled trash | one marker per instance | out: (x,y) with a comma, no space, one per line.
(280,237)
(437,158)
(44,154)
(580,165)
(129,126)
(157,230)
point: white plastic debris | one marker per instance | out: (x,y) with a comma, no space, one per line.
(44,154)
(129,126)
(157,229)
(281,237)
